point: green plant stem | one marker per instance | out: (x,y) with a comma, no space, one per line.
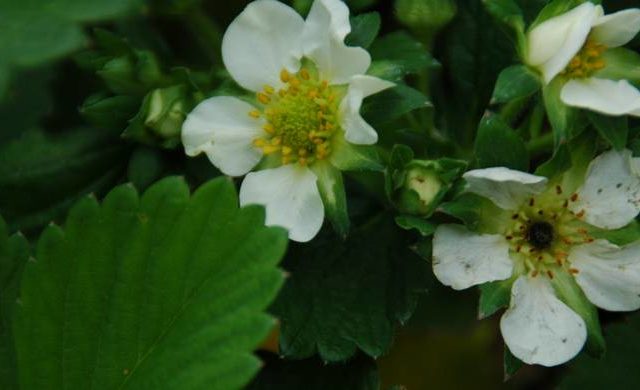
(207,33)
(536,121)
(512,110)
(540,145)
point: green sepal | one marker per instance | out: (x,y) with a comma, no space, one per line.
(409,222)
(497,145)
(515,82)
(622,236)
(494,296)
(333,195)
(364,29)
(571,294)
(555,8)
(622,64)
(401,155)
(614,129)
(350,157)
(477,212)
(110,112)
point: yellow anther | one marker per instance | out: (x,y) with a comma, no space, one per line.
(259,142)
(304,74)
(254,114)
(269,89)
(313,93)
(286,150)
(269,149)
(269,128)
(597,65)
(575,62)
(302,152)
(276,141)
(294,82)
(263,98)
(285,75)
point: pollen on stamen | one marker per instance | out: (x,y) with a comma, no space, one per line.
(269,90)
(254,114)
(550,274)
(574,197)
(263,98)
(574,271)
(285,75)
(304,74)
(558,190)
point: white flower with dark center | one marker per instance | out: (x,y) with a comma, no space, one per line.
(308,87)
(576,47)
(545,233)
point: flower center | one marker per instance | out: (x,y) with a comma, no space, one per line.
(301,117)
(540,234)
(586,62)
(544,230)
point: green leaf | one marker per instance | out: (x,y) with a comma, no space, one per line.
(41,174)
(561,116)
(408,222)
(391,104)
(162,292)
(364,29)
(113,112)
(571,294)
(14,252)
(622,64)
(509,13)
(511,364)
(557,164)
(497,145)
(494,296)
(333,196)
(145,166)
(614,129)
(311,374)
(345,296)
(35,32)
(403,51)
(515,82)
(617,369)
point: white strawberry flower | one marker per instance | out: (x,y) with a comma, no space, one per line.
(308,87)
(575,46)
(542,235)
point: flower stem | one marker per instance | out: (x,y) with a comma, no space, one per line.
(540,145)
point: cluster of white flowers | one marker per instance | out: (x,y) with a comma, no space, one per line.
(308,88)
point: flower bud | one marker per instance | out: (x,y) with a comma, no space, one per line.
(425,17)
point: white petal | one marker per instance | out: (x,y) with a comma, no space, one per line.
(605,96)
(610,195)
(222,128)
(260,42)
(323,41)
(609,275)
(357,131)
(507,188)
(538,328)
(462,259)
(555,41)
(291,199)
(617,29)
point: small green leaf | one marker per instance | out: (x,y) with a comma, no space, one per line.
(515,82)
(497,145)
(571,294)
(617,369)
(14,252)
(364,29)
(391,104)
(347,296)
(614,129)
(403,51)
(333,196)
(509,13)
(494,296)
(408,222)
(111,112)
(163,292)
